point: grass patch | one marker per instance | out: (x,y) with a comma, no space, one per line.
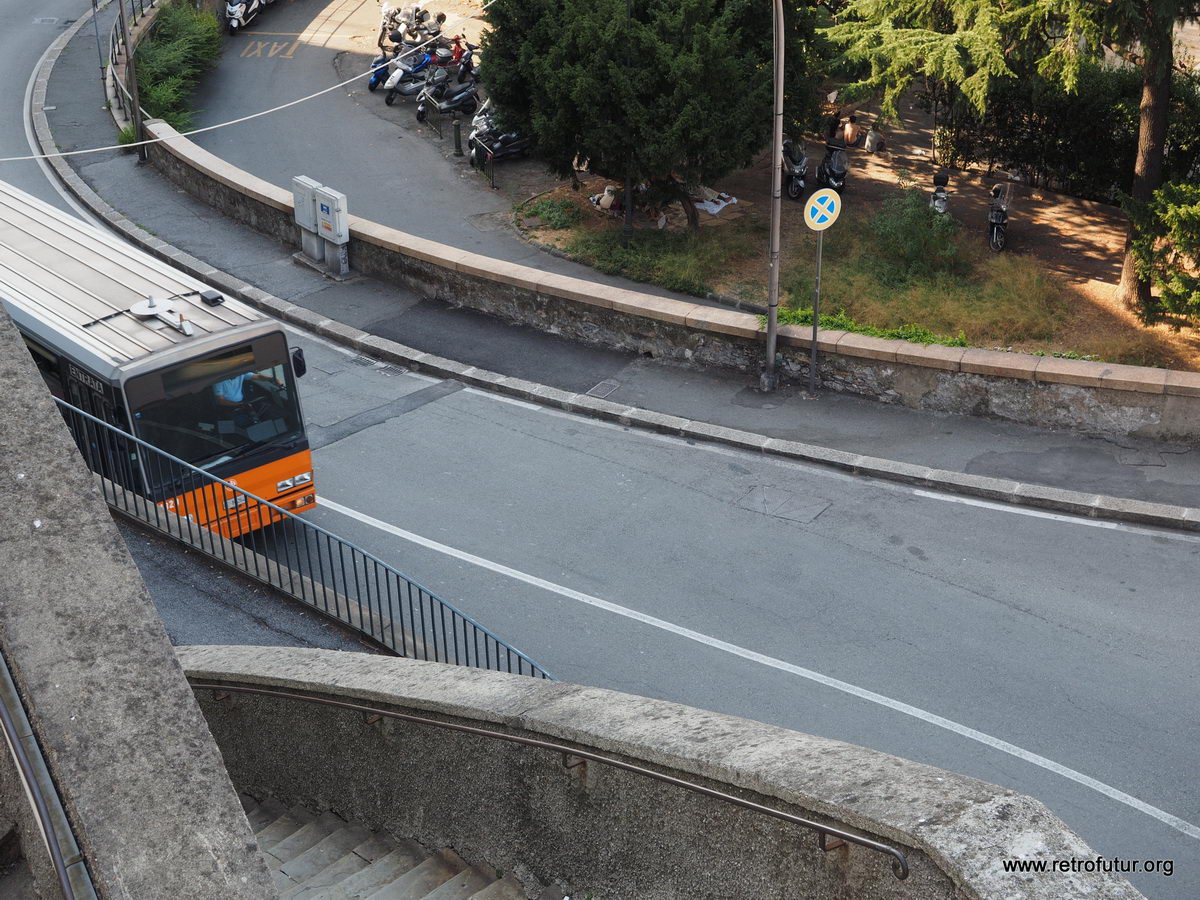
(978,298)
(556,214)
(183,45)
(684,262)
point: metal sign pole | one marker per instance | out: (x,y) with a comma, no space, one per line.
(812,353)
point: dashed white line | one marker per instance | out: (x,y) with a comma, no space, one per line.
(870,696)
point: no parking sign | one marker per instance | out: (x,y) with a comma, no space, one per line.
(822,209)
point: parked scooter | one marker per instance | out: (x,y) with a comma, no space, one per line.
(795,168)
(440,95)
(385,63)
(240,13)
(834,167)
(408,76)
(998,218)
(488,144)
(939,201)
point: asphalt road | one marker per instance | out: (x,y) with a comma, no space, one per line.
(1070,640)
(1050,648)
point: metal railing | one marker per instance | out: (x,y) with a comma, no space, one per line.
(373,714)
(73,876)
(291,554)
(116,47)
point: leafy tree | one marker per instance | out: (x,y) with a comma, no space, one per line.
(1167,250)
(679,95)
(973,43)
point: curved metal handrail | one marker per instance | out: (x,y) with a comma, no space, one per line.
(899,860)
(33,791)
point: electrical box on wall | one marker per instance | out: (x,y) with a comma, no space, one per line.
(304,199)
(333,222)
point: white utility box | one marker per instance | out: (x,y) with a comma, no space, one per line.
(333,222)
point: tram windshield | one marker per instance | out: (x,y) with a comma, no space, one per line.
(214,409)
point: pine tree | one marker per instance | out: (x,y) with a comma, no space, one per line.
(678,95)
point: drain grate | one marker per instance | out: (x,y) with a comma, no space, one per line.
(603,389)
(365,361)
(390,371)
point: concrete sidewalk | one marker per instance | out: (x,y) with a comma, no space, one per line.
(1135,469)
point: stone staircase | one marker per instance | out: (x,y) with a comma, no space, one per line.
(324,857)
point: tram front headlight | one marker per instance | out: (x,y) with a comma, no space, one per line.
(295,481)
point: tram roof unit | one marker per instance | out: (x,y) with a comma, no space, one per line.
(62,276)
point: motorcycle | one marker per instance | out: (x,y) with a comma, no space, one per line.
(998,218)
(438,94)
(240,13)
(834,167)
(488,144)
(407,78)
(939,201)
(795,169)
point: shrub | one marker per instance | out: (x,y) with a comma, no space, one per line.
(183,45)
(912,240)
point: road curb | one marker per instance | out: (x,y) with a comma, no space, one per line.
(999,490)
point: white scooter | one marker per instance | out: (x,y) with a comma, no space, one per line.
(240,13)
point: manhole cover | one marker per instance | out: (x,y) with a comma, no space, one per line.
(603,389)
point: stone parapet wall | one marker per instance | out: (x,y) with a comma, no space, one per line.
(142,785)
(1043,391)
(602,832)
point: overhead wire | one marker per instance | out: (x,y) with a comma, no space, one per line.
(237,121)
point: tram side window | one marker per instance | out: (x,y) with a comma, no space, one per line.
(47,363)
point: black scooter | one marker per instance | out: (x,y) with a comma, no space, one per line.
(834,167)
(795,169)
(440,95)
(998,218)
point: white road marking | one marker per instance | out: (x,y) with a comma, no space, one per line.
(1060,517)
(899,706)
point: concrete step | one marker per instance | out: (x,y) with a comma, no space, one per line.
(373,849)
(463,886)
(308,836)
(324,853)
(287,824)
(507,888)
(260,815)
(421,880)
(365,883)
(332,875)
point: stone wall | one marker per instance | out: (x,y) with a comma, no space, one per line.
(142,784)
(1043,391)
(597,830)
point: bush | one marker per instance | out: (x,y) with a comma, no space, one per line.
(912,240)
(183,45)
(1166,247)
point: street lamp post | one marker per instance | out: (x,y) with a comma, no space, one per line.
(627,228)
(770,379)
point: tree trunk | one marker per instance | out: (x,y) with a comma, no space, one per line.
(1157,68)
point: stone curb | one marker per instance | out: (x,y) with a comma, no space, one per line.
(999,490)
